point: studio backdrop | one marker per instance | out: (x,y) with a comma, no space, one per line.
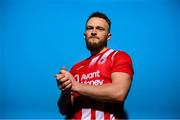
(38,37)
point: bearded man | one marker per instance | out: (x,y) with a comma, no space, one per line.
(96,87)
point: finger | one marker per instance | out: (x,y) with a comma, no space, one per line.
(63,85)
(67,87)
(59,76)
(62,80)
(66,83)
(63,69)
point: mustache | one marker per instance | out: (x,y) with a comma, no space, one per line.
(93,37)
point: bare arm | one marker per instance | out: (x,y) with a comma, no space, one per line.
(112,92)
(65,101)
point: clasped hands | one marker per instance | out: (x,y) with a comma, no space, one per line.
(65,80)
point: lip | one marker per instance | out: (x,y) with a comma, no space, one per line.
(93,40)
(93,37)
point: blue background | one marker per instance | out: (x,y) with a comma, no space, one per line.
(37,37)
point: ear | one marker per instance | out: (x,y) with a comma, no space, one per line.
(84,34)
(109,36)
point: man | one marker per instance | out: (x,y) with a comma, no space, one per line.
(96,87)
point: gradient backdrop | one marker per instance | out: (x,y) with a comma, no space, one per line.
(37,37)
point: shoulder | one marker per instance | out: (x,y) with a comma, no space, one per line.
(119,54)
(122,63)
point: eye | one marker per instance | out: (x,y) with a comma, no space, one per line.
(100,28)
(89,28)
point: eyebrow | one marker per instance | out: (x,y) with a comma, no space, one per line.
(95,27)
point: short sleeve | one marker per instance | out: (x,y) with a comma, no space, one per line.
(72,70)
(122,63)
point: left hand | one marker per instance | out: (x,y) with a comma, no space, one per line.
(66,81)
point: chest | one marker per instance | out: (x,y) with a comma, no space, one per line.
(96,71)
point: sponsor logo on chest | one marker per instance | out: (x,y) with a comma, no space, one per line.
(92,78)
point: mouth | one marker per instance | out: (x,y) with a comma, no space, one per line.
(93,37)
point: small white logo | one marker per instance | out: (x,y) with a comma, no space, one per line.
(80,67)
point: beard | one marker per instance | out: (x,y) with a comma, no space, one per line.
(92,46)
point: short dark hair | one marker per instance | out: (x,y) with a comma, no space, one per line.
(100,15)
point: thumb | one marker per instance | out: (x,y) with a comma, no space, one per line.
(63,70)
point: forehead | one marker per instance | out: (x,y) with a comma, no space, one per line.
(95,21)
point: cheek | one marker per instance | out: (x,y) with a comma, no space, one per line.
(103,36)
(104,33)
(87,34)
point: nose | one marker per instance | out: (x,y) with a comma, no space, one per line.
(93,32)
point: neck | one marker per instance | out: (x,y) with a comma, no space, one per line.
(99,51)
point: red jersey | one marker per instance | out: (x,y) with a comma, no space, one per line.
(97,70)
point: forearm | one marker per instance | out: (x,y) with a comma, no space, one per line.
(107,92)
(65,102)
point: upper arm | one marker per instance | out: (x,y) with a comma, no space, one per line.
(121,82)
